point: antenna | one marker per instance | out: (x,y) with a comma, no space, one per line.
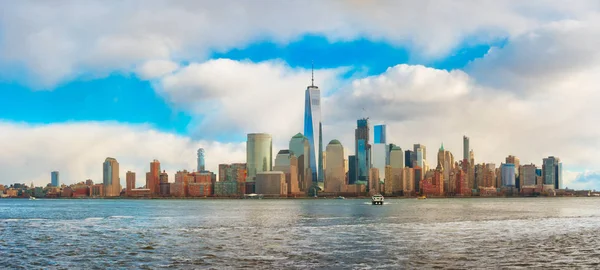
(312,79)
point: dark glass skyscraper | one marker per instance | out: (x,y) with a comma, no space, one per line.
(552,172)
(408,158)
(351,170)
(362,147)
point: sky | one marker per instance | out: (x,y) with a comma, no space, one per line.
(141,80)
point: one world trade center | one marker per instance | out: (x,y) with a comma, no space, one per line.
(313,130)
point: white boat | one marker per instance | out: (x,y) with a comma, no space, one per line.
(31,198)
(340,198)
(377,199)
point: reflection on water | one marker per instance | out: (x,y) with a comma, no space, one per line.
(444,233)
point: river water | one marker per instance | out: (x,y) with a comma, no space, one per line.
(300,234)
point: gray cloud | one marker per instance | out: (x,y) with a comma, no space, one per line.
(60,40)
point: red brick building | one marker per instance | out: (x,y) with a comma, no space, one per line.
(433,186)
(200,189)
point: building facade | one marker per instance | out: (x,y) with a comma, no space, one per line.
(130,181)
(313,130)
(362,150)
(552,172)
(201,166)
(271,184)
(259,154)
(110,177)
(55,179)
(335,177)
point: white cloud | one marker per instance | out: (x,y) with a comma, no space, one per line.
(77,150)
(243,97)
(156,69)
(57,41)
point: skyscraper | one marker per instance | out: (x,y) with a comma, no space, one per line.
(110,177)
(201,164)
(380,132)
(153,177)
(408,158)
(552,172)
(396,157)
(508,175)
(313,130)
(334,173)
(362,150)
(466,148)
(300,148)
(420,153)
(130,181)
(259,154)
(54,179)
(351,170)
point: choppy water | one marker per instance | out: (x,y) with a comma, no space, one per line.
(221,234)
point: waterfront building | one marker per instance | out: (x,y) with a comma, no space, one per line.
(445,160)
(300,148)
(408,184)
(394,184)
(528,175)
(110,177)
(288,164)
(334,172)
(201,166)
(228,188)
(182,180)
(515,161)
(165,189)
(89,182)
(351,170)
(235,172)
(153,177)
(418,176)
(97,190)
(259,154)
(508,175)
(433,185)
(466,148)
(479,174)
(362,150)
(54,179)
(271,184)
(552,172)
(462,185)
(374,184)
(200,189)
(313,130)
(67,192)
(130,181)
(489,175)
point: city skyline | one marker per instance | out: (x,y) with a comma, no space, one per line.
(510,83)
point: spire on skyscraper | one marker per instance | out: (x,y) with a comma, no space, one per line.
(312,71)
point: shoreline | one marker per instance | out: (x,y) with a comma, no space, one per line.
(293,198)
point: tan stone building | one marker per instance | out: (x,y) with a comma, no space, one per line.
(271,184)
(110,177)
(335,177)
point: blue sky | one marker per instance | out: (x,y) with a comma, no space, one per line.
(96,79)
(128,99)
